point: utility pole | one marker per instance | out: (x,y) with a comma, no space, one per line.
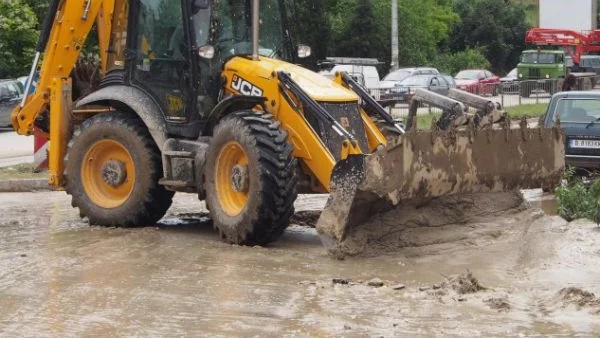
(395,56)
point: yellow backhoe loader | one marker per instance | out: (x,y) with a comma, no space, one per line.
(193,99)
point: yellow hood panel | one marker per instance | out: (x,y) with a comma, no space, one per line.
(317,86)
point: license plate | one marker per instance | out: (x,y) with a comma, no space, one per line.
(588,144)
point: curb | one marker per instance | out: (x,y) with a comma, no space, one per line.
(25,185)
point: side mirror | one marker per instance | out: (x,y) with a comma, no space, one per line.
(304,51)
(206,52)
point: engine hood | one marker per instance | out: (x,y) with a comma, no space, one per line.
(317,86)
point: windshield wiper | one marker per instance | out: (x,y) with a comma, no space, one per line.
(592,122)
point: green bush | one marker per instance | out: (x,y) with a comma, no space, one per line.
(18,36)
(467,59)
(578,199)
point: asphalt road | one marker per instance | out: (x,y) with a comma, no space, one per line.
(15,149)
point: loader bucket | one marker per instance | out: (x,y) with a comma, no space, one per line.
(427,164)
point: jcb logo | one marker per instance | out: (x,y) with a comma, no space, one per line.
(244,87)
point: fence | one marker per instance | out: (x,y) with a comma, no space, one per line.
(509,94)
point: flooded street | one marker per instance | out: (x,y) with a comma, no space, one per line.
(519,271)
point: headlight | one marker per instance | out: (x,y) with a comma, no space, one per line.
(547,76)
(520,75)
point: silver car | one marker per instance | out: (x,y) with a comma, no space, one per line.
(11,93)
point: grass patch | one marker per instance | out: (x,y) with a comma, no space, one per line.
(21,171)
(578,199)
(528,110)
(424,121)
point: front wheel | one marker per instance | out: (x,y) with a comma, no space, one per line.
(250,179)
(112,170)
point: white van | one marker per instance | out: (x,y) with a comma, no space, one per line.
(363,70)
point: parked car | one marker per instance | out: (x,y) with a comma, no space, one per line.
(478,81)
(11,93)
(510,81)
(450,80)
(392,82)
(579,114)
(363,70)
(407,87)
(22,80)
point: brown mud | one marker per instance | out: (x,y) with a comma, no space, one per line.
(502,270)
(436,221)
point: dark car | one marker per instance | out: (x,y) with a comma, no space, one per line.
(407,87)
(11,93)
(579,114)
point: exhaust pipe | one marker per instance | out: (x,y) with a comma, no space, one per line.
(255,28)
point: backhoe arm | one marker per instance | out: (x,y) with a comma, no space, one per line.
(63,35)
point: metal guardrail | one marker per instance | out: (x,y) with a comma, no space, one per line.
(508,94)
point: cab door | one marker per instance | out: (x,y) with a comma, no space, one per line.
(161,65)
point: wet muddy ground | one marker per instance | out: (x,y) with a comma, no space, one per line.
(518,272)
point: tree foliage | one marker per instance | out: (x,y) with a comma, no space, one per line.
(18,37)
(498,28)
(452,63)
(448,34)
(39,8)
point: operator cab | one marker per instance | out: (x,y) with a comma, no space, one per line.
(178,62)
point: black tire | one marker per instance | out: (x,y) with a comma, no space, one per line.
(271,170)
(148,201)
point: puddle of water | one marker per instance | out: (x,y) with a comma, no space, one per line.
(549,206)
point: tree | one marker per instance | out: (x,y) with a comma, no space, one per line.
(18,37)
(452,63)
(310,25)
(362,37)
(497,27)
(39,7)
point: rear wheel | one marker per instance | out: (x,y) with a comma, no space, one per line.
(250,179)
(112,172)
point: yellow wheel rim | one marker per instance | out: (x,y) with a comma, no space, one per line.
(232,178)
(108,174)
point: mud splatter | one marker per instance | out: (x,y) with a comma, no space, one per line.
(500,304)
(464,283)
(581,299)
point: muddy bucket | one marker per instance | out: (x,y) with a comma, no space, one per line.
(428,164)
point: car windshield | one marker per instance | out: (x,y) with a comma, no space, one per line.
(232,20)
(543,58)
(10,90)
(398,75)
(577,110)
(449,79)
(468,75)
(416,81)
